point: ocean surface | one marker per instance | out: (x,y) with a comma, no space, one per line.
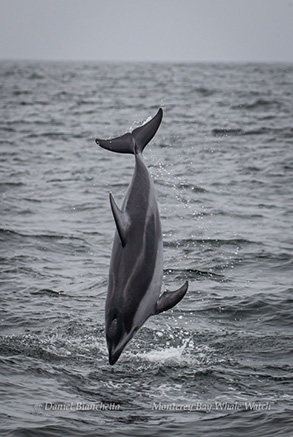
(221,362)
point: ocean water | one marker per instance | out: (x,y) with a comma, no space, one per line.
(218,364)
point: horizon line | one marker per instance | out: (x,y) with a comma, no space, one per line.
(149,61)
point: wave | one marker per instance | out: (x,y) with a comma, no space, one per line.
(4,186)
(215,242)
(49,291)
(79,428)
(284,132)
(203,91)
(227,132)
(6,234)
(191,187)
(69,342)
(194,273)
(260,309)
(259,104)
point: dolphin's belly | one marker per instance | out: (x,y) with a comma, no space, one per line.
(148,301)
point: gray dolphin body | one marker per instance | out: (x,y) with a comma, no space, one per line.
(136,267)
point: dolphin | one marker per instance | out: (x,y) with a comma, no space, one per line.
(136,266)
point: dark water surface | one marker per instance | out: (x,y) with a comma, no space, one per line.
(218,364)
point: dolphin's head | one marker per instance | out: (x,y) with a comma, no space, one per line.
(117,336)
(113,337)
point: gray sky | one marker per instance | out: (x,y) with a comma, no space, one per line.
(147,30)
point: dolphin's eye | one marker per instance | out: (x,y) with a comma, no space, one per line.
(113,331)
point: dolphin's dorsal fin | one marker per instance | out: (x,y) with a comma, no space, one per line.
(121,220)
(170,298)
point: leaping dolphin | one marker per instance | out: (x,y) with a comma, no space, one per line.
(136,267)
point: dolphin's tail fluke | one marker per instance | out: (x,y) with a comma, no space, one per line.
(135,141)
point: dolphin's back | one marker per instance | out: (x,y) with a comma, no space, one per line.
(133,265)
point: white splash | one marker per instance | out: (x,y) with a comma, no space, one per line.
(171,355)
(136,124)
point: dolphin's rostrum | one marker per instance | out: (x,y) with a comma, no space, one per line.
(136,267)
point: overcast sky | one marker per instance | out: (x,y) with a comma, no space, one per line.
(147,30)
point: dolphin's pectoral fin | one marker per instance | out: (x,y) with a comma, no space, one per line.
(170,298)
(120,220)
